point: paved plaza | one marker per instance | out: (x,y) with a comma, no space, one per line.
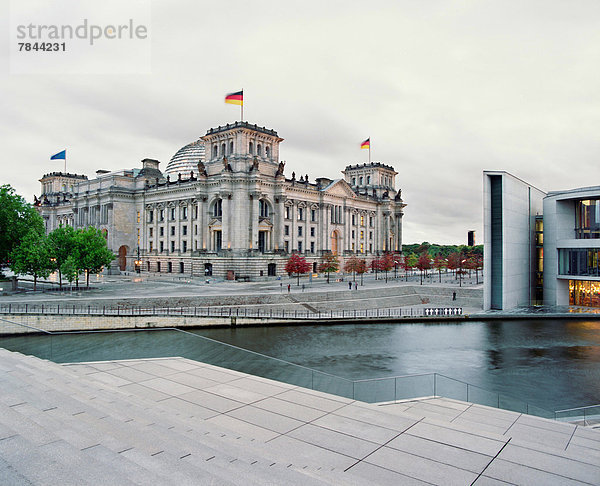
(177,421)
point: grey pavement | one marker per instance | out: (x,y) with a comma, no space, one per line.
(176,421)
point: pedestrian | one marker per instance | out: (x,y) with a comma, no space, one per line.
(454,295)
(289,288)
(302,287)
(355,286)
(349,285)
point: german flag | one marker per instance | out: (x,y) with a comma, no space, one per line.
(236,98)
(366,144)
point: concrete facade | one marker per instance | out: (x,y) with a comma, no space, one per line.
(531,236)
(509,243)
(235,214)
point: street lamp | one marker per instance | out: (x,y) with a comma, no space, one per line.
(395,269)
(138,262)
(460,272)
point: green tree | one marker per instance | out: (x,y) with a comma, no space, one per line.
(31,257)
(17,219)
(69,269)
(94,254)
(330,263)
(62,245)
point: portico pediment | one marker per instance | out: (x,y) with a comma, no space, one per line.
(339,188)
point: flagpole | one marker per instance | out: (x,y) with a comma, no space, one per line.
(369,150)
(242,105)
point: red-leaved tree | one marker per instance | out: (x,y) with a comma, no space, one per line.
(330,263)
(439,263)
(297,264)
(424,264)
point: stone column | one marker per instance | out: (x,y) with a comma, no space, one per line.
(226,221)
(254,219)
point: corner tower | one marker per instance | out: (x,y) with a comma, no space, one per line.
(239,146)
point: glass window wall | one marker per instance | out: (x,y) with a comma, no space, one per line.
(587,219)
(579,261)
(584,293)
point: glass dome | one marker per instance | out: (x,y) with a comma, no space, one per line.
(186,159)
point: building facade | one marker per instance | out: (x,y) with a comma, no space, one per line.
(539,247)
(224,207)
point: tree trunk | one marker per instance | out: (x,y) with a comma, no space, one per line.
(87,278)
(34,282)
(59,279)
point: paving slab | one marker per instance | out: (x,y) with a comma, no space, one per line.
(518,474)
(334,441)
(211,401)
(266,419)
(420,468)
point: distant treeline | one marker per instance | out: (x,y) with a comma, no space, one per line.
(444,250)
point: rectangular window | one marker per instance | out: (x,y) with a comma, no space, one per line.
(172,214)
(195,229)
(184,246)
(162,246)
(138,217)
(184,212)
(313,215)
(370,247)
(370,235)
(362,235)
(352,246)
(151,247)
(162,231)
(312,231)
(162,215)
(172,246)
(184,230)
(299,230)
(362,248)
(300,246)
(300,214)
(352,233)
(138,237)
(362,220)
(150,216)
(353,220)
(196,212)
(286,246)
(312,246)
(371,221)
(287,212)
(172,230)
(169,267)
(286,230)
(151,232)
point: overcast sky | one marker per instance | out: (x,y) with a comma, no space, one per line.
(445,89)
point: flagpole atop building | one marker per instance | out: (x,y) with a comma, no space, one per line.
(369,150)
(242,107)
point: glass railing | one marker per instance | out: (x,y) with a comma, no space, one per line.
(586,416)
(65,347)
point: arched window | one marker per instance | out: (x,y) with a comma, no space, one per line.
(259,149)
(223,146)
(266,151)
(263,208)
(368,179)
(251,148)
(354,181)
(360,181)
(217,211)
(215,150)
(231,147)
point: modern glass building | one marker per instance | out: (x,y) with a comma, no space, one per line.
(540,247)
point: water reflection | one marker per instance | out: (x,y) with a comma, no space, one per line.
(550,363)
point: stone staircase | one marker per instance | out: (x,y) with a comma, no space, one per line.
(57,427)
(175,421)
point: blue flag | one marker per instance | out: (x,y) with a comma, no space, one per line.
(60,155)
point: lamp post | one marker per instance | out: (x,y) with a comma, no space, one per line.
(460,272)
(138,261)
(395,269)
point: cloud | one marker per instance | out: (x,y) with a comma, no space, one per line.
(444,90)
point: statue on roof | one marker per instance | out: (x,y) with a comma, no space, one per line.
(280,168)
(201,169)
(254,165)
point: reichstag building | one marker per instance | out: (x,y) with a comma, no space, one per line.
(226,206)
